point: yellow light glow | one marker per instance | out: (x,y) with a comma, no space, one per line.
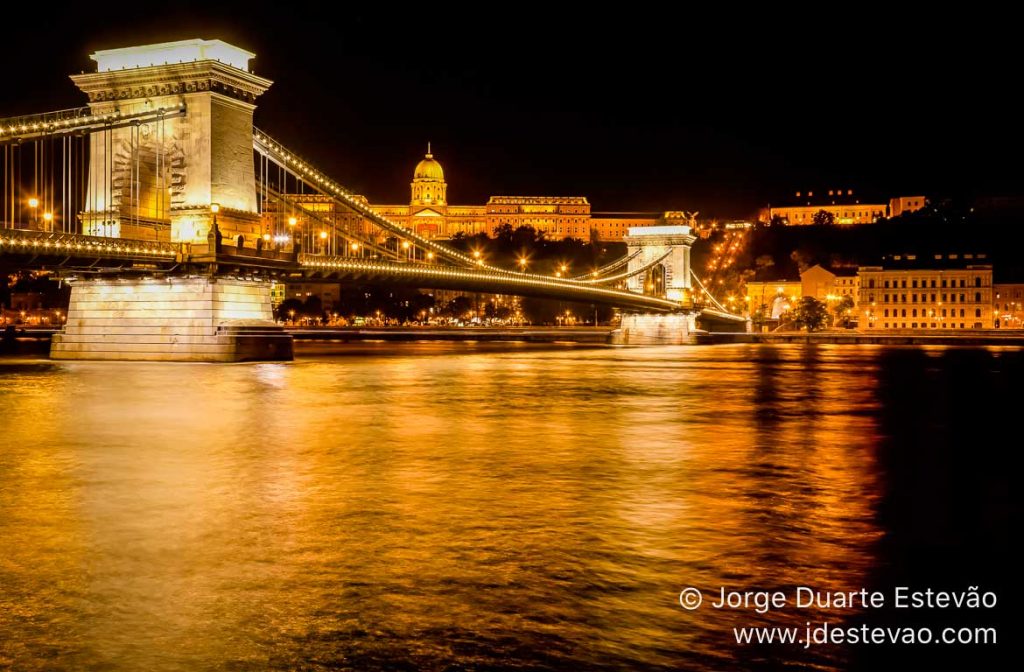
(33,202)
(214,208)
(292,221)
(323,235)
(47,216)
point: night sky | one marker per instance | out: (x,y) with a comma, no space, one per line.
(636,110)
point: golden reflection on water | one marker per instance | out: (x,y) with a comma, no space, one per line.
(428,507)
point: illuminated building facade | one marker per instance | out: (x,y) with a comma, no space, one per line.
(830,285)
(844,207)
(823,284)
(773,298)
(429,214)
(902,204)
(930,292)
(1008,304)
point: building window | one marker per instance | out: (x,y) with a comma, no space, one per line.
(961,314)
(977,297)
(977,312)
(977,281)
(963,298)
(887,284)
(913,313)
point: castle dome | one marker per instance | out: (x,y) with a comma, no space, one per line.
(428,169)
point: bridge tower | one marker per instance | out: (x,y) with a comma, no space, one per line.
(159,180)
(663,254)
(182,178)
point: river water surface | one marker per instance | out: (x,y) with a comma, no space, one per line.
(456,507)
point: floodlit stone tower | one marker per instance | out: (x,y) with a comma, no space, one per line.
(663,252)
(143,178)
(173,179)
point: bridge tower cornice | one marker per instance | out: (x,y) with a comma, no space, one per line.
(171,80)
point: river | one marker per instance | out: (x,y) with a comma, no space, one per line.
(493,506)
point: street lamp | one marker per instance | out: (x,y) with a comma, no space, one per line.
(48,218)
(33,203)
(213,238)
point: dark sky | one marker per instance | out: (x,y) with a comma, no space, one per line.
(634,108)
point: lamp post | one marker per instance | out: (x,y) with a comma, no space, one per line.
(33,204)
(214,237)
(292,221)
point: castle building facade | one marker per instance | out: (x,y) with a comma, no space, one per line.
(429,213)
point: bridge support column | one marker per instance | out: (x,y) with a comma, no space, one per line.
(656,329)
(171,320)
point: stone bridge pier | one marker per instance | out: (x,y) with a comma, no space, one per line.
(187,179)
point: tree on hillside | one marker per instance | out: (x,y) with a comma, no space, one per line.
(824,218)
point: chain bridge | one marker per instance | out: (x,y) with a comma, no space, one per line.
(170,215)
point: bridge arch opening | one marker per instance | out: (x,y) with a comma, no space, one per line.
(654,281)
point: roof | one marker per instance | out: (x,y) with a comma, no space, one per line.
(948,261)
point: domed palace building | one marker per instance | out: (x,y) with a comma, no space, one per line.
(429,214)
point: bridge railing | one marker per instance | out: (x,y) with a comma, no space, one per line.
(21,241)
(77,120)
